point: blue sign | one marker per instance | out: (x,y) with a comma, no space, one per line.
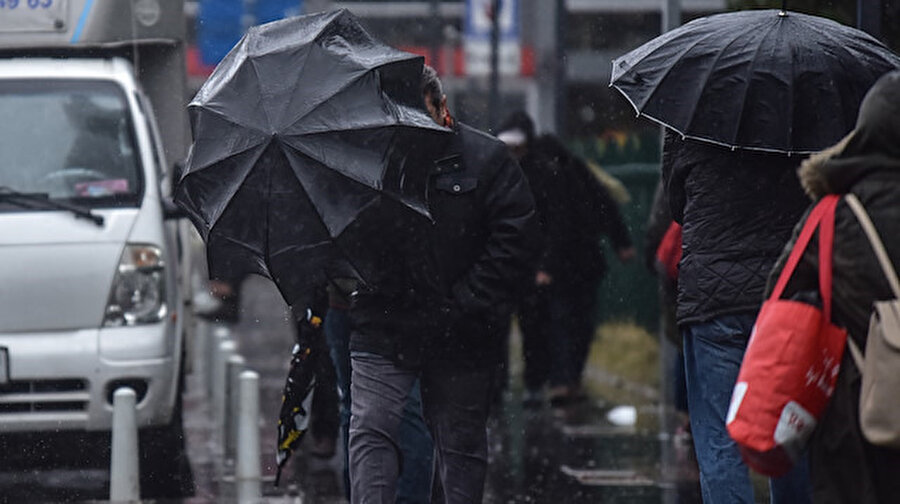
(221,23)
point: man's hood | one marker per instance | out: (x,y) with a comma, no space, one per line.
(874,145)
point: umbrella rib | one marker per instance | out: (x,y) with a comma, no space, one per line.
(752,66)
(668,71)
(321,220)
(709,73)
(259,81)
(397,198)
(237,188)
(267,247)
(342,88)
(790,103)
(225,118)
(842,47)
(316,106)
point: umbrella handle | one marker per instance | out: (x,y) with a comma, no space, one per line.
(783,7)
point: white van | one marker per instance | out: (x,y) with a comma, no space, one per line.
(88,255)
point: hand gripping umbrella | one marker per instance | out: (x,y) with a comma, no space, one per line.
(308,133)
(767,80)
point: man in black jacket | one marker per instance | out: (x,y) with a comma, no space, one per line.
(737,209)
(442,291)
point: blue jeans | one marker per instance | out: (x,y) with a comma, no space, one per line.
(713,351)
(414,441)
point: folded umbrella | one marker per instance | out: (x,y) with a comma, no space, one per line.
(297,395)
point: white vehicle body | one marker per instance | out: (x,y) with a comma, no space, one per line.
(66,283)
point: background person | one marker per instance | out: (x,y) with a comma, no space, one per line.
(575,211)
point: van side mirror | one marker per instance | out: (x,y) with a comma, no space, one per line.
(171,210)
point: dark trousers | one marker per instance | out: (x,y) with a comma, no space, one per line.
(455,401)
(533,322)
(414,441)
(324,420)
(557,323)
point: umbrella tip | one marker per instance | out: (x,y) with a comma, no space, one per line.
(783,12)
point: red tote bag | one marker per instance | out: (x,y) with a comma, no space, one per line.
(668,253)
(791,363)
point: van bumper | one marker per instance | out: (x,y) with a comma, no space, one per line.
(63,381)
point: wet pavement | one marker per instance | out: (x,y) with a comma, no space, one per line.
(595,451)
(590,452)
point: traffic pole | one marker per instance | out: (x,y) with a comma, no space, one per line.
(124,476)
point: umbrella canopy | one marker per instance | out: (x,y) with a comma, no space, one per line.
(307,130)
(768,80)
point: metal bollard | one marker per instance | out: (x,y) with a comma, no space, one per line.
(220,384)
(219,334)
(235,366)
(199,341)
(248,472)
(124,476)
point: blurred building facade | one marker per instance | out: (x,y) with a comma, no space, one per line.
(555,56)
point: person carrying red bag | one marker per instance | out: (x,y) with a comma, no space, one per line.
(844,466)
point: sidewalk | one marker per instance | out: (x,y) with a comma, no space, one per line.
(581,454)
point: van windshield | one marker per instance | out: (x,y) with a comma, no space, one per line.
(69,139)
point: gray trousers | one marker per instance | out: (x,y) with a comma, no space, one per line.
(455,403)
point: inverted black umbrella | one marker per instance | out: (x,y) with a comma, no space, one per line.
(308,133)
(768,80)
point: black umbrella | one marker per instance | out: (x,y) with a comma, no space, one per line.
(307,133)
(768,80)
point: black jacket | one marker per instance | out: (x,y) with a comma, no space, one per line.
(574,210)
(455,277)
(844,467)
(737,209)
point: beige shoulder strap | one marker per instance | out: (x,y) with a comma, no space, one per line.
(883,259)
(874,239)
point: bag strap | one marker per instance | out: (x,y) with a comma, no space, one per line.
(877,245)
(826,249)
(824,205)
(886,267)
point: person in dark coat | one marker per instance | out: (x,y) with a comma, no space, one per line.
(737,210)
(441,293)
(844,466)
(556,314)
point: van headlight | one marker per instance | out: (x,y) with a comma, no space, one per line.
(138,294)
